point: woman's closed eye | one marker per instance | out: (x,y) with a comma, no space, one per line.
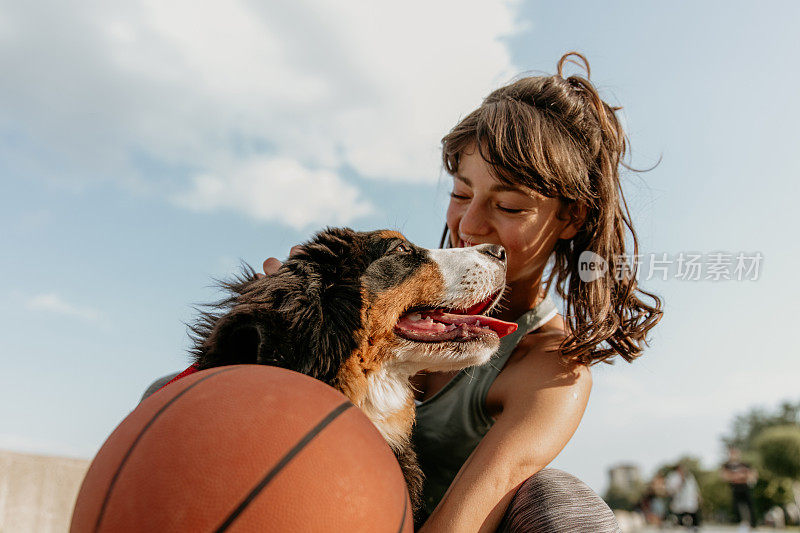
(505,209)
(510,210)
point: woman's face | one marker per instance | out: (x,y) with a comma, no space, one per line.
(484,210)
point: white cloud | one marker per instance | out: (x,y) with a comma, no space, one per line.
(53,303)
(272,189)
(96,87)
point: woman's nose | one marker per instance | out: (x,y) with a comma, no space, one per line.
(473,221)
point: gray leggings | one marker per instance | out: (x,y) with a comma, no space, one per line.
(553,501)
(550,501)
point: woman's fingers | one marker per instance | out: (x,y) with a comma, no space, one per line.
(271,264)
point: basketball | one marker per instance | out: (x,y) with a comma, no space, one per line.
(244,448)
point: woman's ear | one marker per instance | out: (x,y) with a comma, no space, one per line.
(576,216)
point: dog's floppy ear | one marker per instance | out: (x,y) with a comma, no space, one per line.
(323,308)
(306,317)
(241,337)
(324,326)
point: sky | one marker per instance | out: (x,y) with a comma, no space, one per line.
(147,148)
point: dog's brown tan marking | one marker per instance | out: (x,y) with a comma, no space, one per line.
(424,288)
(379,317)
(390,234)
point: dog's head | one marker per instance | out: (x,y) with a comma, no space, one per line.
(363,300)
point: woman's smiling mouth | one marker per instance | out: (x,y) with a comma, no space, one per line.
(464,243)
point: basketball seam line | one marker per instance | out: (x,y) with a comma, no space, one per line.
(282,463)
(138,438)
(405,510)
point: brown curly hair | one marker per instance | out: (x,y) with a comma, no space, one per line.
(556,136)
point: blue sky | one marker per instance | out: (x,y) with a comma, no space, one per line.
(148,148)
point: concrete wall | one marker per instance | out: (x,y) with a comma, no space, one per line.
(37,492)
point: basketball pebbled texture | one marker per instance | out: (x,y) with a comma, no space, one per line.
(244,448)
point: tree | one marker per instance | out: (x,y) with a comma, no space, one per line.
(779,451)
(779,448)
(750,425)
(625,500)
(771,443)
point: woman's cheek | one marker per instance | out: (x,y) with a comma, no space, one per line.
(519,251)
(452,217)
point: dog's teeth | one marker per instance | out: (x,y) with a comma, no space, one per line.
(478,323)
(416,317)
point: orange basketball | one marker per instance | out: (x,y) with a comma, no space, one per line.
(244,448)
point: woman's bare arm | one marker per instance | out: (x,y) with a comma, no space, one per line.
(542,404)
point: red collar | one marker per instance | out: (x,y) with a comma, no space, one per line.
(191,370)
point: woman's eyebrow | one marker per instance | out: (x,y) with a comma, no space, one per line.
(502,187)
(497,187)
(461,178)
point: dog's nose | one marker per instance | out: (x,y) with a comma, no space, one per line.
(495,251)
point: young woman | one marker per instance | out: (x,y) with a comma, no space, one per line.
(535,169)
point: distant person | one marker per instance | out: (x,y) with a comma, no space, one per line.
(741,477)
(654,502)
(658,503)
(685,491)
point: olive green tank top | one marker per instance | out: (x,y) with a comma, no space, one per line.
(451,423)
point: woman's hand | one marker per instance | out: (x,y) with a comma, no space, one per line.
(272,264)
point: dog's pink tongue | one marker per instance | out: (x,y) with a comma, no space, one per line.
(440,326)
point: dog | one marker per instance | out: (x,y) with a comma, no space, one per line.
(363,312)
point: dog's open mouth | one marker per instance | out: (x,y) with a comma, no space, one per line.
(441,325)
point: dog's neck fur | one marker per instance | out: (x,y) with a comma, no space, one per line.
(389,403)
(384,394)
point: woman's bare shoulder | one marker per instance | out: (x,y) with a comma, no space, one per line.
(537,363)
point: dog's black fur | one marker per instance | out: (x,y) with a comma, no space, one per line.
(308,317)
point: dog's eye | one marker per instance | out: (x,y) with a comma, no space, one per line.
(401,248)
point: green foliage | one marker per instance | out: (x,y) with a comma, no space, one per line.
(770,442)
(616,498)
(717,502)
(775,491)
(750,425)
(625,500)
(779,448)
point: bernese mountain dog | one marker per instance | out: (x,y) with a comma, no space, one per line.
(363,312)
